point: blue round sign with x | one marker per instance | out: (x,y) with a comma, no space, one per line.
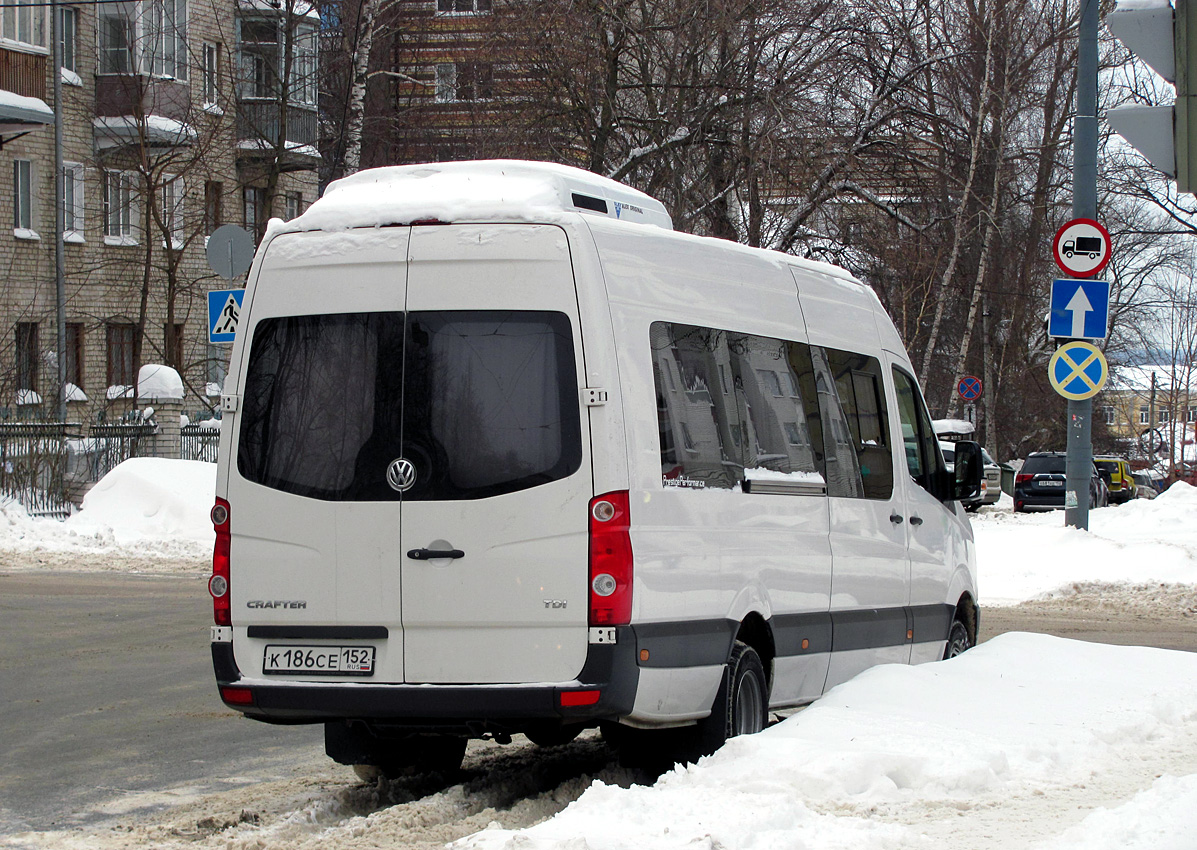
(1078,370)
(969,388)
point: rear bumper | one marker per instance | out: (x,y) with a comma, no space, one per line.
(610,669)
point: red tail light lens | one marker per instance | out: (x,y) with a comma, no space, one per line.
(1022,479)
(610,560)
(218,585)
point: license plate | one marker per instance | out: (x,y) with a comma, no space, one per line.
(1051,483)
(319,660)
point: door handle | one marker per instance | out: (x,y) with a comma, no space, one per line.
(431,554)
(916,520)
(895,518)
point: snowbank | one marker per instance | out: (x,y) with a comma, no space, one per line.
(1017,714)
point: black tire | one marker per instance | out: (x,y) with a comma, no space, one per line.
(958,640)
(741,706)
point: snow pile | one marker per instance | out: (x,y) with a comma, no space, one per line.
(155,381)
(1019,713)
(143,507)
(1027,556)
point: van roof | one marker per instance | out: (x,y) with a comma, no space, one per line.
(483,190)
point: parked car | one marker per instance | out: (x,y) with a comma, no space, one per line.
(1144,486)
(1118,477)
(991,479)
(1040,484)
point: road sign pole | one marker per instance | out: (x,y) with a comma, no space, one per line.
(1079,460)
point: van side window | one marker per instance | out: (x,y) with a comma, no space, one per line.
(768,375)
(858,381)
(694,417)
(923,459)
(843,466)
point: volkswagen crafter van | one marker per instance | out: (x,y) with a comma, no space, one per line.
(504,453)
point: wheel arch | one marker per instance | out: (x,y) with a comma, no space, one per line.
(968,613)
(755,631)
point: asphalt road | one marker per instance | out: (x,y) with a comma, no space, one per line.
(106,692)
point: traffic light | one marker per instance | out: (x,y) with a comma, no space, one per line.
(1163,37)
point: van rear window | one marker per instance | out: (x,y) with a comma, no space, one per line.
(481,402)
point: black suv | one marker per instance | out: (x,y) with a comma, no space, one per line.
(1039,485)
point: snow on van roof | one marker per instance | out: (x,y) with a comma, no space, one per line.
(484,190)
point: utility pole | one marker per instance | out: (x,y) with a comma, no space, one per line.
(1079,460)
(59,280)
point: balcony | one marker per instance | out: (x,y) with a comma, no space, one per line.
(258,132)
(23,73)
(141,94)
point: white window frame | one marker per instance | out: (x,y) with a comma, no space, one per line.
(72,202)
(304,66)
(22,199)
(1144,416)
(210,86)
(23,23)
(446,82)
(477,7)
(1163,416)
(68,32)
(172,197)
(155,36)
(121,213)
(1110,414)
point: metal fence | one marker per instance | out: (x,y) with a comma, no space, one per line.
(33,465)
(198,442)
(111,443)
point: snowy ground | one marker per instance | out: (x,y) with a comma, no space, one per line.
(1027,741)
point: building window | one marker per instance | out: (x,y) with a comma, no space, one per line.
(464,81)
(1191,414)
(27,356)
(69,23)
(22,197)
(119,202)
(1164,416)
(294,205)
(211,82)
(303,67)
(255,211)
(147,36)
(259,47)
(116,38)
(74,353)
(72,202)
(121,339)
(1109,414)
(172,210)
(1144,416)
(213,193)
(462,7)
(24,21)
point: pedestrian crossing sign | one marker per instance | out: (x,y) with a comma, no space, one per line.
(224,309)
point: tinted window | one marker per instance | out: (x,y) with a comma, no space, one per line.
(1052,464)
(482,403)
(923,459)
(862,399)
(733,405)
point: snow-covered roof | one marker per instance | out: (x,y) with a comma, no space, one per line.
(1138,378)
(125,129)
(952,426)
(19,113)
(485,190)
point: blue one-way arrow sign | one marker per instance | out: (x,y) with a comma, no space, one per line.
(1080,309)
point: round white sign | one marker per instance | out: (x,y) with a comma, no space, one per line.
(1082,247)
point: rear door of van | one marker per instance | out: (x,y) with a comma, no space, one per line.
(492,411)
(412,471)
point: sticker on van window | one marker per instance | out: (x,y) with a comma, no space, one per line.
(684,482)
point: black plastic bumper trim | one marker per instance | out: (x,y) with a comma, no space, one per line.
(319,632)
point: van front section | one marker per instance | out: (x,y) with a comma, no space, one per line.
(405,492)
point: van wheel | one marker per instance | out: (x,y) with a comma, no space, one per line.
(958,640)
(742,703)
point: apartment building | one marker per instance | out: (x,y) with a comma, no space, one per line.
(177,116)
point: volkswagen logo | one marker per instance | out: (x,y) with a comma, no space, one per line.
(401,474)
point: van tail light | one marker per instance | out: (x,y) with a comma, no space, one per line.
(1022,479)
(610,560)
(218,585)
